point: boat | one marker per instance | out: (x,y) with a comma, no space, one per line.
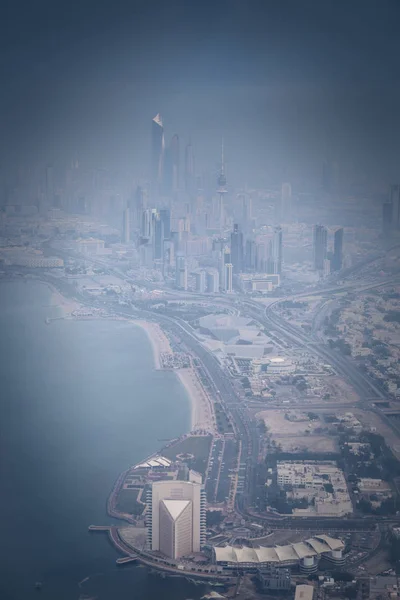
(38,585)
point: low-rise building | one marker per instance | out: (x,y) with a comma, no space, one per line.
(273,578)
(321,483)
(253,559)
(304,592)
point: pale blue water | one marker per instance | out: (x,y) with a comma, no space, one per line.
(80,402)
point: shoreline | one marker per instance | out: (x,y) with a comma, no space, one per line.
(201,408)
(201,405)
(157,338)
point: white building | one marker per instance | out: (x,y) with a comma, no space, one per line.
(258,282)
(176,528)
(176,518)
(229,278)
(213,281)
(200,279)
(90,246)
(321,481)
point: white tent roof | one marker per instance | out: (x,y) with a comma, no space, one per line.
(279,554)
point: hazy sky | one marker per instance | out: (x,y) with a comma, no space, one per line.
(286,82)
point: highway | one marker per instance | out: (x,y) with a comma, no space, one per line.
(245,428)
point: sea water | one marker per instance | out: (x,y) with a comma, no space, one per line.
(80,402)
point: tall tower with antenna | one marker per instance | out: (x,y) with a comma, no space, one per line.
(221,189)
(157,155)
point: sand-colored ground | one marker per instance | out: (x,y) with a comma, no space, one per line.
(278,424)
(306,443)
(159,341)
(66,305)
(296,436)
(202,410)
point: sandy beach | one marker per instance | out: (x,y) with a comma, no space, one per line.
(202,411)
(157,338)
(66,305)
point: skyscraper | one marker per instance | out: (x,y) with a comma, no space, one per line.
(221,189)
(337,259)
(158,238)
(176,518)
(224,259)
(137,204)
(175,161)
(213,281)
(181,273)
(165,216)
(247,212)
(228,278)
(250,255)
(276,252)
(237,249)
(157,155)
(200,279)
(126,232)
(320,241)
(189,170)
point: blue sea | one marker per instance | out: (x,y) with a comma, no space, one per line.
(80,402)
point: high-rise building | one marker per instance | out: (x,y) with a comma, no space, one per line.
(126,231)
(137,205)
(225,258)
(275,255)
(175,161)
(337,259)
(189,170)
(250,255)
(158,238)
(200,278)
(237,249)
(181,273)
(176,524)
(157,155)
(247,210)
(212,281)
(165,216)
(320,242)
(148,223)
(228,278)
(327,267)
(221,190)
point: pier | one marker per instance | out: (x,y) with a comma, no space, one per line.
(99,527)
(126,559)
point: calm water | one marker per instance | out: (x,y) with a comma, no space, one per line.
(80,402)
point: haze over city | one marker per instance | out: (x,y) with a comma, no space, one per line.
(199,274)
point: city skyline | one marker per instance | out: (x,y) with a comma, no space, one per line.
(200,299)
